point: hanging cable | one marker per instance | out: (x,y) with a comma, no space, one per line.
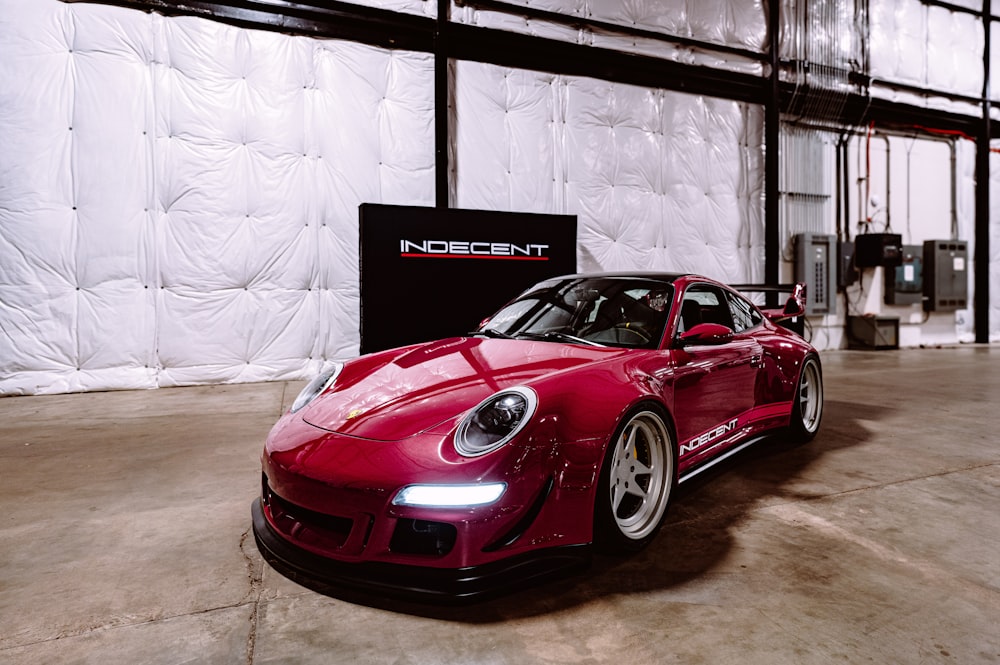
(868,178)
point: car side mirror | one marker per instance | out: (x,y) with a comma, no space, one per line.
(706,333)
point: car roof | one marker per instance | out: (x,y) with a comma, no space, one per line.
(661,276)
(683,278)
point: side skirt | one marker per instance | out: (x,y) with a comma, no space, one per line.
(716,460)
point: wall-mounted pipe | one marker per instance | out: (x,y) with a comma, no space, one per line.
(954,189)
(846,185)
(867,217)
(888,183)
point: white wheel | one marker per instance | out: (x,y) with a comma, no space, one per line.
(636,482)
(807,407)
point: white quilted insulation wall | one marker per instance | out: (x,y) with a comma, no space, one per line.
(660,180)
(926,46)
(736,23)
(178,198)
(716,21)
(995,64)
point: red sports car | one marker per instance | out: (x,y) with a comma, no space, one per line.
(447,469)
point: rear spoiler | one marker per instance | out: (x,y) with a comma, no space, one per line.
(794,307)
(786,315)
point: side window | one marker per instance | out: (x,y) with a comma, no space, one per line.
(704,304)
(745,315)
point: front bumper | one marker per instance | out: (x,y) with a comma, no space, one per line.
(413,582)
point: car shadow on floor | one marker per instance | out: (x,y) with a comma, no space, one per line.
(696,536)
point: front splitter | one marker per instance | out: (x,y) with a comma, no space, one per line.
(415,583)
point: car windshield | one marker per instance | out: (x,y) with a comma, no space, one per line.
(625,312)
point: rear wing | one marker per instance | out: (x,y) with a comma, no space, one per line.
(791,312)
(794,307)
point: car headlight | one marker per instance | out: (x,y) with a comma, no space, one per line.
(316,386)
(495,421)
(449,496)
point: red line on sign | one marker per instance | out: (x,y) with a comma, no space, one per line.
(474,256)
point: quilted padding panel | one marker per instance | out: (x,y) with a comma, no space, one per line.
(178,197)
(660,180)
(926,46)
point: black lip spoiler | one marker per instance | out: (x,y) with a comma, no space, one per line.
(414,583)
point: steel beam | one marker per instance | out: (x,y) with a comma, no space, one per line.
(981,303)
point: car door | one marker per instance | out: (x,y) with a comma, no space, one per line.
(714,381)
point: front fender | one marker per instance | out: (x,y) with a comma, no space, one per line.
(577,414)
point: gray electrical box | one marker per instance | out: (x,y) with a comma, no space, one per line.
(904,284)
(815,264)
(946,275)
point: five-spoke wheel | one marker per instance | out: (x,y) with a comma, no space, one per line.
(637,480)
(807,407)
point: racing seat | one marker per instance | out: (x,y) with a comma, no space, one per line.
(623,320)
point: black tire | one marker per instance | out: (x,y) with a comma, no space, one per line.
(637,480)
(807,402)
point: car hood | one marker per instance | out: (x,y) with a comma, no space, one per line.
(433,384)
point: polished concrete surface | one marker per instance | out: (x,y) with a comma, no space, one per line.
(124,539)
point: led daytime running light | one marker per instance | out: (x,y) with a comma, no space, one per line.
(449,496)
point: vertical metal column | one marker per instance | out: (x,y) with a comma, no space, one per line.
(441,104)
(772,120)
(982,257)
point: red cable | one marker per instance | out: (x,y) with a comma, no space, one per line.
(950,132)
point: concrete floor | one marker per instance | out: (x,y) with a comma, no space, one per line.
(124,539)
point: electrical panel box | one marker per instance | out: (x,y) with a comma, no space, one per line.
(872,332)
(946,275)
(878,249)
(904,285)
(814,264)
(847,274)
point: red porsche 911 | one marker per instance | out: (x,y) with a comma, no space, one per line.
(446,470)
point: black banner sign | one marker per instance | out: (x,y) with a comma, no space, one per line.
(430,273)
